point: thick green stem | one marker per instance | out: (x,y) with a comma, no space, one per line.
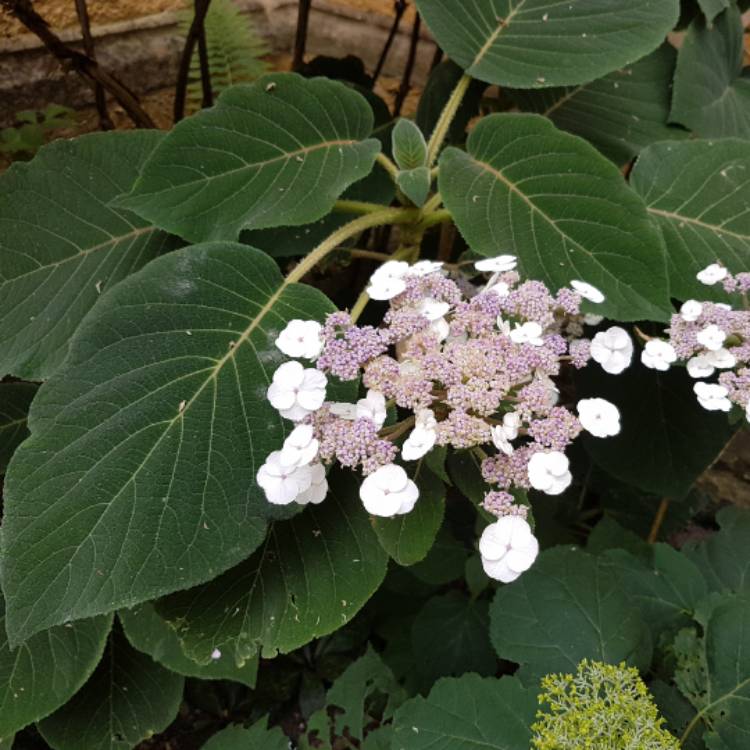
(435,217)
(432,203)
(388,165)
(352,228)
(357,207)
(446,118)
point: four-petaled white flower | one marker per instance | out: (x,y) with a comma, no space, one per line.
(712,396)
(425,267)
(343,410)
(587,291)
(722,359)
(700,366)
(388,492)
(283,484)
(433,309)
(301,338)
(372,407)
(296,391)
(527,333)
(419,443)
(508,548)
(318,488)
(300,447)
(658,354)
(612,349)
(599,417)
(712,274)
(549,472)
(711,337)
(388,281)
(500,440)
(498,264)
(511,425)
(691,311)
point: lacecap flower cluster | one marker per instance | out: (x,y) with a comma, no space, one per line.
(454,363)
(712,339)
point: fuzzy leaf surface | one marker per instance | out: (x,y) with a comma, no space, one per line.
(532,43)
(276,152)
(468,713)
(39,676)
(62,244)
(711,88)
(526,188)
(695,191)
(310,577)
(620,113)
(141,465)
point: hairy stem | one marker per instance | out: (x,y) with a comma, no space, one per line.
(357,207)
(446,118)
(388,165)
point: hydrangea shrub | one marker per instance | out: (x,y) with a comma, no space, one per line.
(411,410)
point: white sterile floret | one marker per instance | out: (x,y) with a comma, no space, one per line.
(500,440)
(591,319)
(500,288)
(722,359)
(712,337)
(747,411)
(549,472)
(301,338)
(372,407)
(283,484)
(300,448)
(587,291)
(318,488)
(599,417)
(712,396)
(440,328)
(658,354)
(700,367)
(388,281)
(425,418)
(527,333)
(433,309)
(508,548)
(425,267)
(498,264)
(420,442)
(612,349)
(343,410)
(511,425)
(712,274)
(691,311)
(388,492)
(296,391)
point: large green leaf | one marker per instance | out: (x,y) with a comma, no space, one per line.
(526,188)
(309,578)
(276,152)
(144,448)
(61,244)
(149,633)
(696,192)
(256,737)
(15,400)
(723,558)
(667,438)
(468,713)
(568,607)
(449,637)
(712,8)
(39,676)
(722,684)
(127,699)
(620,113)
(408,538)
(529,43)
(711,89)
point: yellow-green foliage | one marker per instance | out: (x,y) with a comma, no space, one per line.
(601,707)
(235,50)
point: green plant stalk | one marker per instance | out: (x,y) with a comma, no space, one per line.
(358,207)
(388,165)
(446,118)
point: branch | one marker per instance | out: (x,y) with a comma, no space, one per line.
(399,7)
(300,40)
(194,33)
(403,89)
(82,64)
(105,123)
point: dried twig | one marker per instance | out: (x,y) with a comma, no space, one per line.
(300,40)
(403,89)
(105,122)
(399,7)
(82,64)
(195,32)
